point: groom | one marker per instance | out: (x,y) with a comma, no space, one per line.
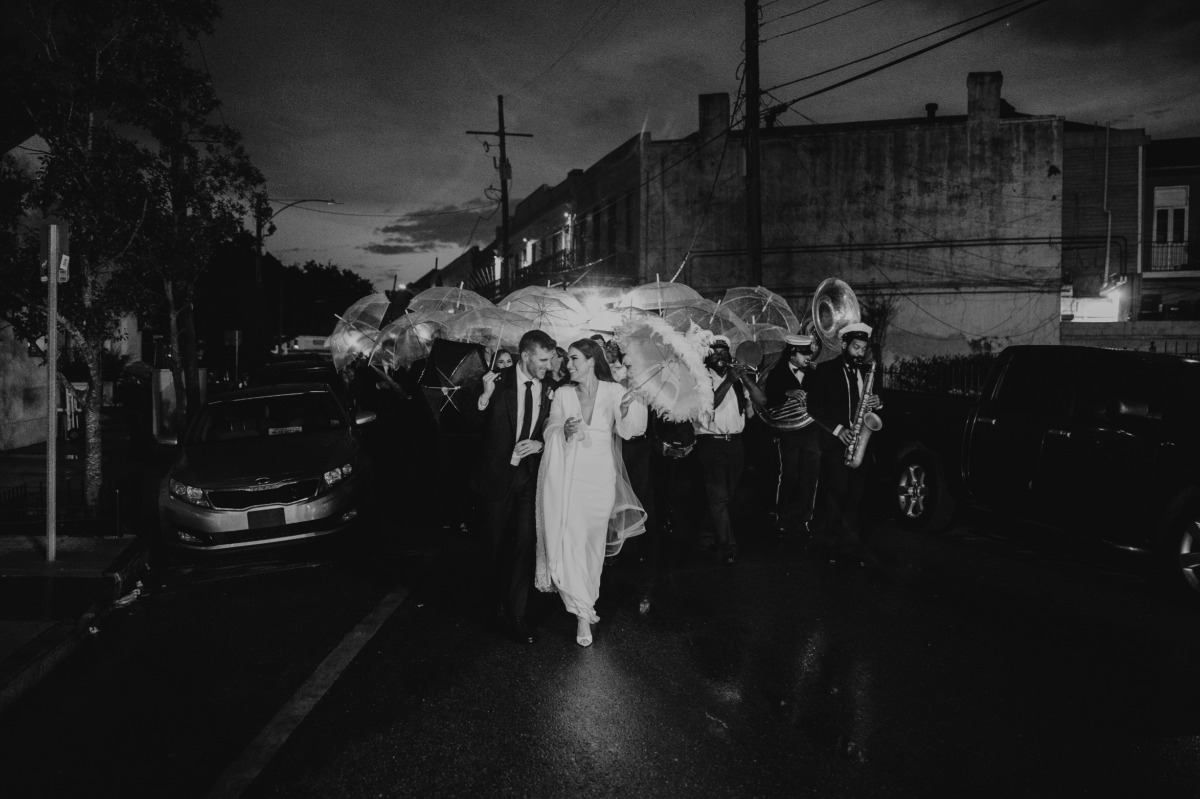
(515,403)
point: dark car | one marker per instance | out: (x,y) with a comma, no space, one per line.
(1100,441)
(299,368)
(266,466)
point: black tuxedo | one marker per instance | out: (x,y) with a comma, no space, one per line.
(799,454)
(494,476)
(831,401)
(509,492)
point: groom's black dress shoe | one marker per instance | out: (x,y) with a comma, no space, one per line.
(519,631)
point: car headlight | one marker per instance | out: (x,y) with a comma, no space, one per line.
(335,476)
(189,494)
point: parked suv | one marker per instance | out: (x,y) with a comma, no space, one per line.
(1102,441)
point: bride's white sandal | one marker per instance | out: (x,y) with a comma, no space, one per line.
(583,640)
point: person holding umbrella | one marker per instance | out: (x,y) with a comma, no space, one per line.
(719,446)
(515,403)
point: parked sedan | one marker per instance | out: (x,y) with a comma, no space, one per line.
(265,466)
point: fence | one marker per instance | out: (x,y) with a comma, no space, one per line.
(963,375)
(23,510)
(1176,347)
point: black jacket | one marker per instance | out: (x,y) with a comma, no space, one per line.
(493,475)
(829,399)
(781,380)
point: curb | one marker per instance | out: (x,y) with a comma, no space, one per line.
(123,573)
(36,660)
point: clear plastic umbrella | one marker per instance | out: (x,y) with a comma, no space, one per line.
(449,299)
(494,328)
(755,304)
(710,316)
(771,339)
(347,343)
(551,310)
(410,338)
(656,295)
(357,333)
(608,320)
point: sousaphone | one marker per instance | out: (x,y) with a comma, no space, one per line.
(833,307)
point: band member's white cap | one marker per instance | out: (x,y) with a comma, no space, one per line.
(719,340)
(798,341)
(857,330)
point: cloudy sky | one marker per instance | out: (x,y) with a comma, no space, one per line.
(367,102)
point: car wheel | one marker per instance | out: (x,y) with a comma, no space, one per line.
(1181,552)
(923,499)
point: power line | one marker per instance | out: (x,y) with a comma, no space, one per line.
(584,31)
(794,13)
(902,59)
(821,22)
(400,215)
(942,29)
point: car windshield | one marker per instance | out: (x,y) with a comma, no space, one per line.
(277,415)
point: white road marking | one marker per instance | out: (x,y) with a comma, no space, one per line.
(242,772)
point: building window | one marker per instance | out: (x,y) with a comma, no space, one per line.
(1169,245)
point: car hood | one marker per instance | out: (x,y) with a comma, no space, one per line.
(276,457)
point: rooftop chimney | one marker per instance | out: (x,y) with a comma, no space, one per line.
(714,114)
(931,110)
(983,95)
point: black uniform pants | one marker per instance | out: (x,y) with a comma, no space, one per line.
(799,468)
(841,492)
(721,462)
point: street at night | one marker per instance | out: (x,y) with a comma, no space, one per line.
(999,659)
(695,398)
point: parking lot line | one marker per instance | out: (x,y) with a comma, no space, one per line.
(243,771)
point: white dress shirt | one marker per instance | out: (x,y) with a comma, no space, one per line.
(726,418)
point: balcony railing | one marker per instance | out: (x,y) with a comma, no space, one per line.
(1173,256)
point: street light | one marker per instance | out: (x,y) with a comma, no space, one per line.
(261,220)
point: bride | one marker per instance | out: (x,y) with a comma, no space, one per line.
(585,506)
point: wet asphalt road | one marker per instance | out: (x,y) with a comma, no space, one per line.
(998,660)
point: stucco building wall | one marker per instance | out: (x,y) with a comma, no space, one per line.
(22,394)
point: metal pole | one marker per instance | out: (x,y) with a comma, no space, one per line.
(753,186)
(54,254)
(506,267)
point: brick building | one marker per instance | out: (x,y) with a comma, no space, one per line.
(964,232)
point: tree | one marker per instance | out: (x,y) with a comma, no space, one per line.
(95,78)
(311,295)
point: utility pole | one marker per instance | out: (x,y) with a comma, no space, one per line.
(507,276)
(753,185)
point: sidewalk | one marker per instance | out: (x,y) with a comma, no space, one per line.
(48,608)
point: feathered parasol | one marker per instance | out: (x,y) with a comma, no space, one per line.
(666,367)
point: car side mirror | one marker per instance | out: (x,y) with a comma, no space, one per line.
(364,417)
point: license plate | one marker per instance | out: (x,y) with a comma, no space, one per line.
(271,517)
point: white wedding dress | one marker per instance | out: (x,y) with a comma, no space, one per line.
(585,506)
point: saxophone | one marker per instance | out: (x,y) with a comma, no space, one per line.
(865,423)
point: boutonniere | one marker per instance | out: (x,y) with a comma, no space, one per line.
(549,393)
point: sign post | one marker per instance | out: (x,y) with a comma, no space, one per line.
(55,239)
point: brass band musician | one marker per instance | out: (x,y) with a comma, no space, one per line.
(797,437)
(836,388)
